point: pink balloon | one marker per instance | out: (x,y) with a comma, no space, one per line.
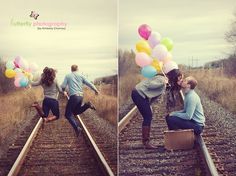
(142,59)
(170,65)
(144,31)
(17,61)
(160,52)
(154,39)
(17,82)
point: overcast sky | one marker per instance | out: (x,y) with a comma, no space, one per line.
(196,27)
(89,40)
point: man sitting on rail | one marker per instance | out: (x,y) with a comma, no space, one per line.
(192,116)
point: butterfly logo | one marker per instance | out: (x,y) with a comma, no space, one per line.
(34,15)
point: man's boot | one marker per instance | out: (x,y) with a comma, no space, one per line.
(38,108)
(146,138)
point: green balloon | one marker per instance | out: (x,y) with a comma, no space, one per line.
(168,43)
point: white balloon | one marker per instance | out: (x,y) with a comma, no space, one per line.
(160,52)
(24,64)
(33,67)
(170,65)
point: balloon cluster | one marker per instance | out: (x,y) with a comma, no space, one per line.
(21,70)
(153,52)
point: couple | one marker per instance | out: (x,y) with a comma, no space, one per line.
(74,82)
(191,117)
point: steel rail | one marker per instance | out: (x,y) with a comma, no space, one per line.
(20,159)
(210,166)
(99,156)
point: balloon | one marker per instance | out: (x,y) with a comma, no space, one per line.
(17,61)
(23,64)
(143,46)
(19,75)
(17,82)
(33,67)
(168,66)
(9,73)
(18,70)
(157,65)
(168,58)
(23,81)
(36,76)
(10,65)
(160,52)
(168,43)
(148,71)
(144,31)
(154,39)
(142,59)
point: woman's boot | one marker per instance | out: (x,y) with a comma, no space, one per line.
(146,138)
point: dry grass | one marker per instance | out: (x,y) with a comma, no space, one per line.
(15,112)
(217,86)
(108,89)
(106,105)
(126,85)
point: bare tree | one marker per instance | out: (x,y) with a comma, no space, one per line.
(230,36)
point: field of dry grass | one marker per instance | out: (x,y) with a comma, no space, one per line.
(15,111)
(105,103)
(126,85)
(218,86)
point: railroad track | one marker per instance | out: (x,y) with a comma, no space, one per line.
(54,149)
(211,154)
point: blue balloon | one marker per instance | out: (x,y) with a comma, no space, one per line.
(148,71)
(23,81)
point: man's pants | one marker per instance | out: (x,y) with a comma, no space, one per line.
(74,108)
(175,123)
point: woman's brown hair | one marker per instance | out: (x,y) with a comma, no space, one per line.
(48,76)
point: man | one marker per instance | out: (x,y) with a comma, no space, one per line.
(75,82)
(192,116)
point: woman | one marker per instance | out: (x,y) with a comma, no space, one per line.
(51,89)
(146,91)
(174,77)
(142,95)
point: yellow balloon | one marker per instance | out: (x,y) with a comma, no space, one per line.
(157,65)
(27,74)
(143,46)
(9,73)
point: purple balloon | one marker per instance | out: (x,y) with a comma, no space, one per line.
(154,39)
(144,31)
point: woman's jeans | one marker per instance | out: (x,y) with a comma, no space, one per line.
(143,106)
